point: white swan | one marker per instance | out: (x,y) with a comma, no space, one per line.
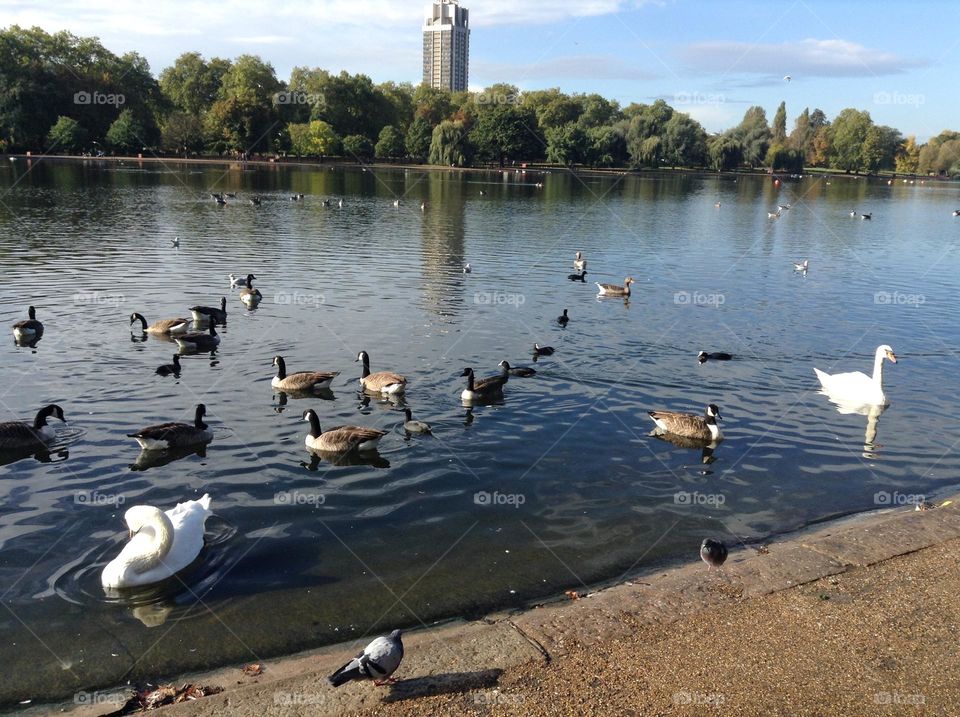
(161,543)
(856,387)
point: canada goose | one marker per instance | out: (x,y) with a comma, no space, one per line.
(176,242)
(505,367)
(467,269)
(15,435)
(582,276)
(248,295)
(207,314)
(384,382)
(28,328)
(563,319)
(856,386)
(783,207)
(294,197)
(170,368)
(579,263)
(166,327)
(713,552)
(956,212)
(174,435)
(703,356)
(341,438)
(615,289)
(300,380)
(802,266)
(539,350)
(867,216)
(411,426)
(690,426)
(853,212)
(485,388)
(216,197)
(220,201)
(199,340)
(255,201)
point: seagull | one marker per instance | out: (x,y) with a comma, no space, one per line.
(340,204)
(377,662)
(713,552)
(237,281)
(853,212)
(467,269)
(176,242)
(956,212)
(787,78)
(802,266)
(717,205)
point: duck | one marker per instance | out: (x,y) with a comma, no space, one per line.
(703,428)
(175,242)
(300,380)
(582,276)
(773,215)
(563,319)
(802,266)
(220,201)
(162,543)
(384,382)
(713,552)
(208,314)
(248,295)
(579,263)
(170,368)
(856,386)
(615,289)
(467,269)
(412,426)
(853,212)
(199,340)
(704,356)
(255,201)
(484,389)
(175,435)
(539,350)
(29,328)
(523,371)
(377,662)
(956,212)
(325,203)
(867,216)
(16,435)
(340,439)
(164,327)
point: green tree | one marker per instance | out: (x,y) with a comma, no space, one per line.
(432,105)
(506,131)
(353,106)
(191,84)
(754,136)
(778,131)
(560,111)
(313,139)
(358,147)
(725,152)
(908,156)
(418,138)
(450,145)
(606,146)
(566,144)
(783,158)
(182,133)
(126,133)
(66,136)
(848,133)
(391,143)
(684,141)
(647,124)
(239,125)
(597,112)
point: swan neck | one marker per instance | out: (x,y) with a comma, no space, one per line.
(155,552)
(878,369)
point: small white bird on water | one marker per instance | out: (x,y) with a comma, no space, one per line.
(802,266)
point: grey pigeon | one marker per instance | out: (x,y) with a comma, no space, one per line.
(713,552)
(377,661)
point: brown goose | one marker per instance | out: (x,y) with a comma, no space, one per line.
(199,340)
(340,439)
(28,329)
(248,295)
(615,289)
(690,426)
(16,435)
(300,380)
(485,388)
(175,435)
(165,327)
(385,382)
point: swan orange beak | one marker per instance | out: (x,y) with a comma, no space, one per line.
(892,356)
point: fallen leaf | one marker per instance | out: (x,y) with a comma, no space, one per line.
(253,670)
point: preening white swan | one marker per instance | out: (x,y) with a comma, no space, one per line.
(856,387)
(161,543)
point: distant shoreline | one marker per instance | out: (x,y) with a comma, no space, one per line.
(527,168)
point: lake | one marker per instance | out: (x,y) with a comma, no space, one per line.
(556,487)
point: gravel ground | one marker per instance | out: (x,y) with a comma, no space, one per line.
(878,640)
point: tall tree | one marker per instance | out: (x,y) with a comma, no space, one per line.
(848,134)
(778,131)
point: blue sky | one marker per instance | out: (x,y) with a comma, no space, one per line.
(899,61)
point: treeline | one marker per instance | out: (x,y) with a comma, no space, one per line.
(63,94)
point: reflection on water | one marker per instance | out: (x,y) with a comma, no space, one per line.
(88,243)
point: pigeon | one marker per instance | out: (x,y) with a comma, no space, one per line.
(377,662)
(713,552)
(563,319)
(703,356)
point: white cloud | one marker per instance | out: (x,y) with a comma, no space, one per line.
(799,59)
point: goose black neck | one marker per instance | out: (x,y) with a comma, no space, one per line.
(32,313)
(198,417)
(136,317)
(176,360)
(223,304)
(213,329)
(365,371)
(314,424)
(470,380)
(41,418)
(281,368)
(249,283)
(408,413)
